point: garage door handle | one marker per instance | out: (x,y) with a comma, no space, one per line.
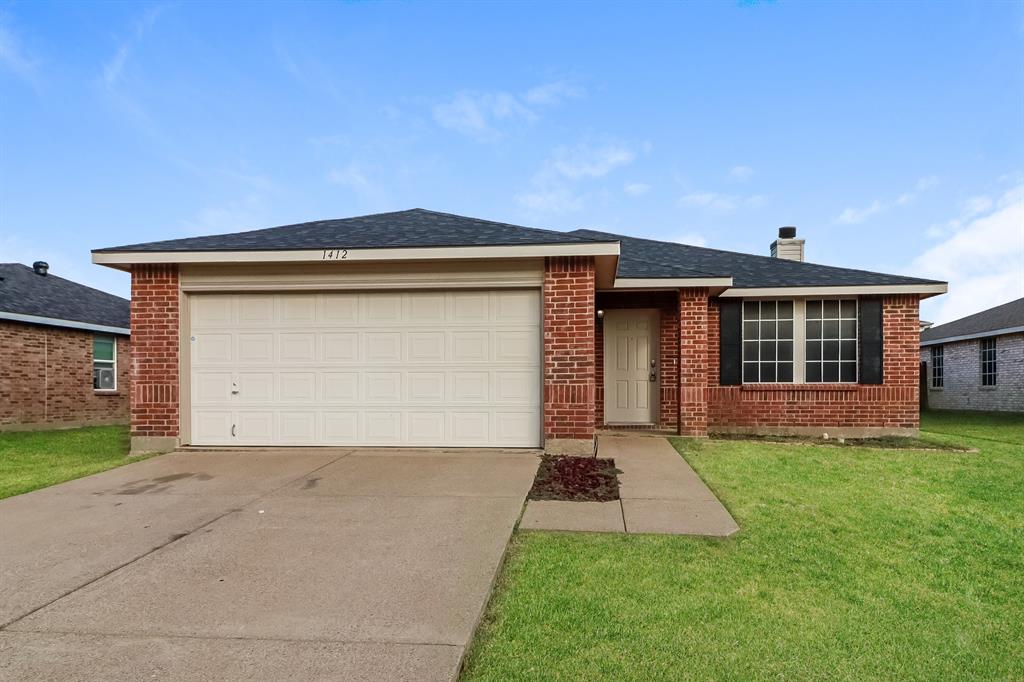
(232,430)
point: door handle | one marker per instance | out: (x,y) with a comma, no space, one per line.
(654,377)
(232,430)
(234,388)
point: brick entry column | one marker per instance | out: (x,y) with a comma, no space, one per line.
(693,361)
(154,353)
(569,380)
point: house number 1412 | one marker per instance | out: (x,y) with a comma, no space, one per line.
(335,254)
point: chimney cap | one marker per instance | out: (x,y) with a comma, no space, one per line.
(40,267)
(788,232)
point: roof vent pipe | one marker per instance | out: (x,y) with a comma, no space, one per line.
(787,246)
(40,267)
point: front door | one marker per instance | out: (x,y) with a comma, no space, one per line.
(630,366)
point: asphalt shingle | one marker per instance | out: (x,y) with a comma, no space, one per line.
(1003,316)
(24,292)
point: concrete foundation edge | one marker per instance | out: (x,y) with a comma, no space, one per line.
(152,445)
(575,447)
(818,431)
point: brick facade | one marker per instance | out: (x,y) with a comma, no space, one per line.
(46,379)
(693,361)
(839,408)
(569,366)
(154,358)
(962,389)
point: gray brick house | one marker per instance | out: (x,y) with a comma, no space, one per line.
(977,362)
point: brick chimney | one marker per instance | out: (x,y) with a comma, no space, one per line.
(787,245)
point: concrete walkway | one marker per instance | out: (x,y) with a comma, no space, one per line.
(660,493)
(310,564)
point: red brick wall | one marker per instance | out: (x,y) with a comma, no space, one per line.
(693,361)
(668,361)
(569,347)
(46,378)
(893,404)
(155,305)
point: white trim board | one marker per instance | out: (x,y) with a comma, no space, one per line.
(860,290)
(70,324)
(671,283)
(977,335)
(340,254)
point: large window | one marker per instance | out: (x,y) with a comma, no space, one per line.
(937,366)
(803,341)
(988,362)
(831,341)
(767,341)
(104,363)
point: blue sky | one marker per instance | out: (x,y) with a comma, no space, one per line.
(891,134)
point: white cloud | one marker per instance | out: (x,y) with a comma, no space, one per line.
(691,238)
(636,189)
(13,57)
(356,178)
(113,69)
(248,213)
(712,201)
(851,216)
(586,161)
(983,261)
(741,173)
(551,200)
(550,94)
(484,114)
(976,205)
(554,186)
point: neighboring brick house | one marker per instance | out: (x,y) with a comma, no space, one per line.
(977,362)
(419,328)
(64,352)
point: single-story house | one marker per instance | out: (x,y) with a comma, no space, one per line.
(977,362)
(418,328)
(64,351)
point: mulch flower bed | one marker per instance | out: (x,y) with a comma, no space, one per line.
(577,479)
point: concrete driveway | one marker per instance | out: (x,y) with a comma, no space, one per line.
(305,564)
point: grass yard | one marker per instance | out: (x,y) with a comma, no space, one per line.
(851,564)
(36,459)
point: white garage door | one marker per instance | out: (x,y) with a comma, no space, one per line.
(445,368)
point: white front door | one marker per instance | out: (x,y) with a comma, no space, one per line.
(630,366)
(405,368)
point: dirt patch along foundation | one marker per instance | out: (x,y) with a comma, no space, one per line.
(576,479)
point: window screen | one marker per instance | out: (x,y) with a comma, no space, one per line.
(831,341)
(937,366)
(767,341)
(988,362)
(104,363)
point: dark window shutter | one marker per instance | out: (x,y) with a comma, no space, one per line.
(730,343)
(870,341)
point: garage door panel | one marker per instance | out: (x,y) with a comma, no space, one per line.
(382,346)
(254,387)
(297,347)
(442,368)
(255,347)
(339,346)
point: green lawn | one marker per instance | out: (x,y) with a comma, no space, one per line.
(851,564)
(36,459)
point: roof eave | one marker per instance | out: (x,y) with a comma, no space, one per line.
(125,259)
(923,289)
(974,335)
(69,324)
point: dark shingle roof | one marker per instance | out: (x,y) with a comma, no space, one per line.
(24,292)
(649,258)
(414,228)
(640,258)
(1003,316)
